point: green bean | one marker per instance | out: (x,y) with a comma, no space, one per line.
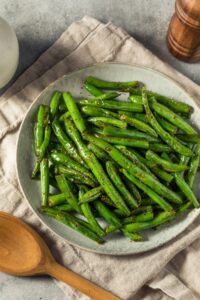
(153,195)
(183,207)
(38,137)
(98,112)
(162,174)
(54,103)
(137,143)
(173,118)
(45,143)
(73,186)
(104,96)
(166,156)
(67,191)
(128,113)
(44,172)
(147,202)
(100,121)
(139,125)
(58,147)
(107,214)
(64,207)
(63,159)
(171,157)
(139,116)
(143,217)
(188,138)
(108,187)
(175,105)
(35,169)
(132,90)
(64,116)
(165,164)
(99,83)
(155,170)
(194,164)
(119,213)
(135,99)
(184,160)
(136,237)
(131,155)
(98,152)
(97,169)
(151,167)
(135,154)
(76,180)
(143,209)
(114,176)
(165,136)
(158,147)
(43,115)
(111,228)
(95,129)
(113,104)
(76,174)
(161,218)
(87,211)
(92,89)
(132,236)
(74,134)
(62,107)
(74,223)
(184,187)
(105,199)
(132,133)
(91,195)
(133,189)
(58,199)
(165,124)
(84,223)
(74,111)
(133,169)
(66,142)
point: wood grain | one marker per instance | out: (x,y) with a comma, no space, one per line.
(183,36)
(24,253)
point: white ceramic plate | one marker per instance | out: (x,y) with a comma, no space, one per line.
(116,244)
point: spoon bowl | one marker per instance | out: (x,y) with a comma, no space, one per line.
(21,249)
(24,253)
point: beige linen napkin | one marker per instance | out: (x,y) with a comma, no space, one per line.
(170,272)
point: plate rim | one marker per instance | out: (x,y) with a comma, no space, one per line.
(196,212)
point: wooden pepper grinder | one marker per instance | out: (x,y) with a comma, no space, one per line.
(183,36)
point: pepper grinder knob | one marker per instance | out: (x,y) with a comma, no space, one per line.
(183,38)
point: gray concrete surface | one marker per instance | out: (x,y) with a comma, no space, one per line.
(38,24)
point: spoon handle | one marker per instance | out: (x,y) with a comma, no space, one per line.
(76,281)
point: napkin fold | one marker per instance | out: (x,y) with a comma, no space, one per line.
(169,272)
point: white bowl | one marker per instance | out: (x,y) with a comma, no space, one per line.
(9,52)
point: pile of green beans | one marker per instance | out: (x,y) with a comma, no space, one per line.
(131,164)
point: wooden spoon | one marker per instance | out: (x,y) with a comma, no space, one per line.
(24,253)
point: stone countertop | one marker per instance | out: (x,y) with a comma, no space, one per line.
(38,24)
